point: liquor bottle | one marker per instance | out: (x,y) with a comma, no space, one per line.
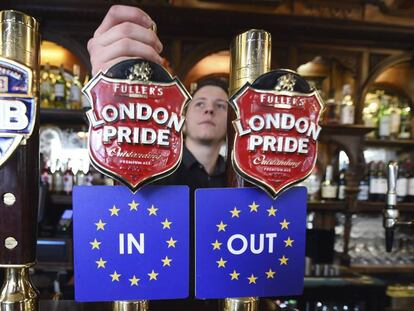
(313,184)
(347,114)
(363,194)
(46,88)
(382,182)
(405,126)
(410,186)
(46,176)
(373,181)
(384,118)
(402,183)
(80,177)
(60,89)
(331,112)
(341,184)
(68,178)
(329,188)
(58,178)
(395,118)
(75,95)
(86,105)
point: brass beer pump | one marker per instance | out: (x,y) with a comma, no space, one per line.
(250,54)
(19,174)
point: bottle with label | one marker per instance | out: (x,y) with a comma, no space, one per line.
(341,185)
(46,176)
(363,194)
(75,94)
(331,111)
(313,184)
(58,178)
(410,186)
(382,182)
(347,113)
(80,177)
(68,178)
(402,182)
(46,88)
(405,126)
(384,118)
(60,89)
(395,118)
(373,184)
(86,105)
(329,188)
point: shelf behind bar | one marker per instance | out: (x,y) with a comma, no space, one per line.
(329,206)
(376,207)
(63,116)
(368,269)
(345,130)
(397,143)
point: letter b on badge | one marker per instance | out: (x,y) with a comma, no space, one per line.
(13,115)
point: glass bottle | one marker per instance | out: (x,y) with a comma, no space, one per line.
(395,118)
(86,105)
(58,178)
(373,184)
(46,88)
(405,126)
(363,194)
(402,182)
(382,182)
(410,186)
(60,89)
(384,118)
(68,178)
(347,113)
(329,188)
(341,184)
(46,176)
(75,96)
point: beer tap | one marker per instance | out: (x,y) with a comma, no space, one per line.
(391,213)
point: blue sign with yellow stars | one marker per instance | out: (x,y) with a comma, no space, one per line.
(248,244)
(131,246)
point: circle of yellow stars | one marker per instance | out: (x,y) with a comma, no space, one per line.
(101,263)
(269,274)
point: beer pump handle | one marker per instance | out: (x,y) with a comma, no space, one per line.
(391,214)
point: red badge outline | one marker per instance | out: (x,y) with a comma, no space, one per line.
(272,190)
(87,90)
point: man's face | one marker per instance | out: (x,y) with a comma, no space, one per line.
(206,118)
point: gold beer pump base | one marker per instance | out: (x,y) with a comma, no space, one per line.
(241,304)
(138,305)
(17,292)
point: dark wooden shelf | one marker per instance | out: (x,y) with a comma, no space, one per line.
(371,269)
(61,199)
(377,207)
(330,206)
(395,143)
(63,116)
(345,130)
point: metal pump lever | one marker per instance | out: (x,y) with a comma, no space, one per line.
(391,213)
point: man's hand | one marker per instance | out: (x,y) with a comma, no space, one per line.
(125,32)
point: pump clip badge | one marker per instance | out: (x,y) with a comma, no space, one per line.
(136,121)
(17,106)
(276,130)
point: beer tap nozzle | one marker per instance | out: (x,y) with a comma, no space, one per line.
(391,213)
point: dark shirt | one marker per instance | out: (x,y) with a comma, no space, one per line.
(192,173)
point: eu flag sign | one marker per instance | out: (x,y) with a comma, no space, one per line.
(131,246)
(248,244)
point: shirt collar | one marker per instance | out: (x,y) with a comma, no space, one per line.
(189,160)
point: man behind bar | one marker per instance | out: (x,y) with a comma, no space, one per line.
(125,33)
